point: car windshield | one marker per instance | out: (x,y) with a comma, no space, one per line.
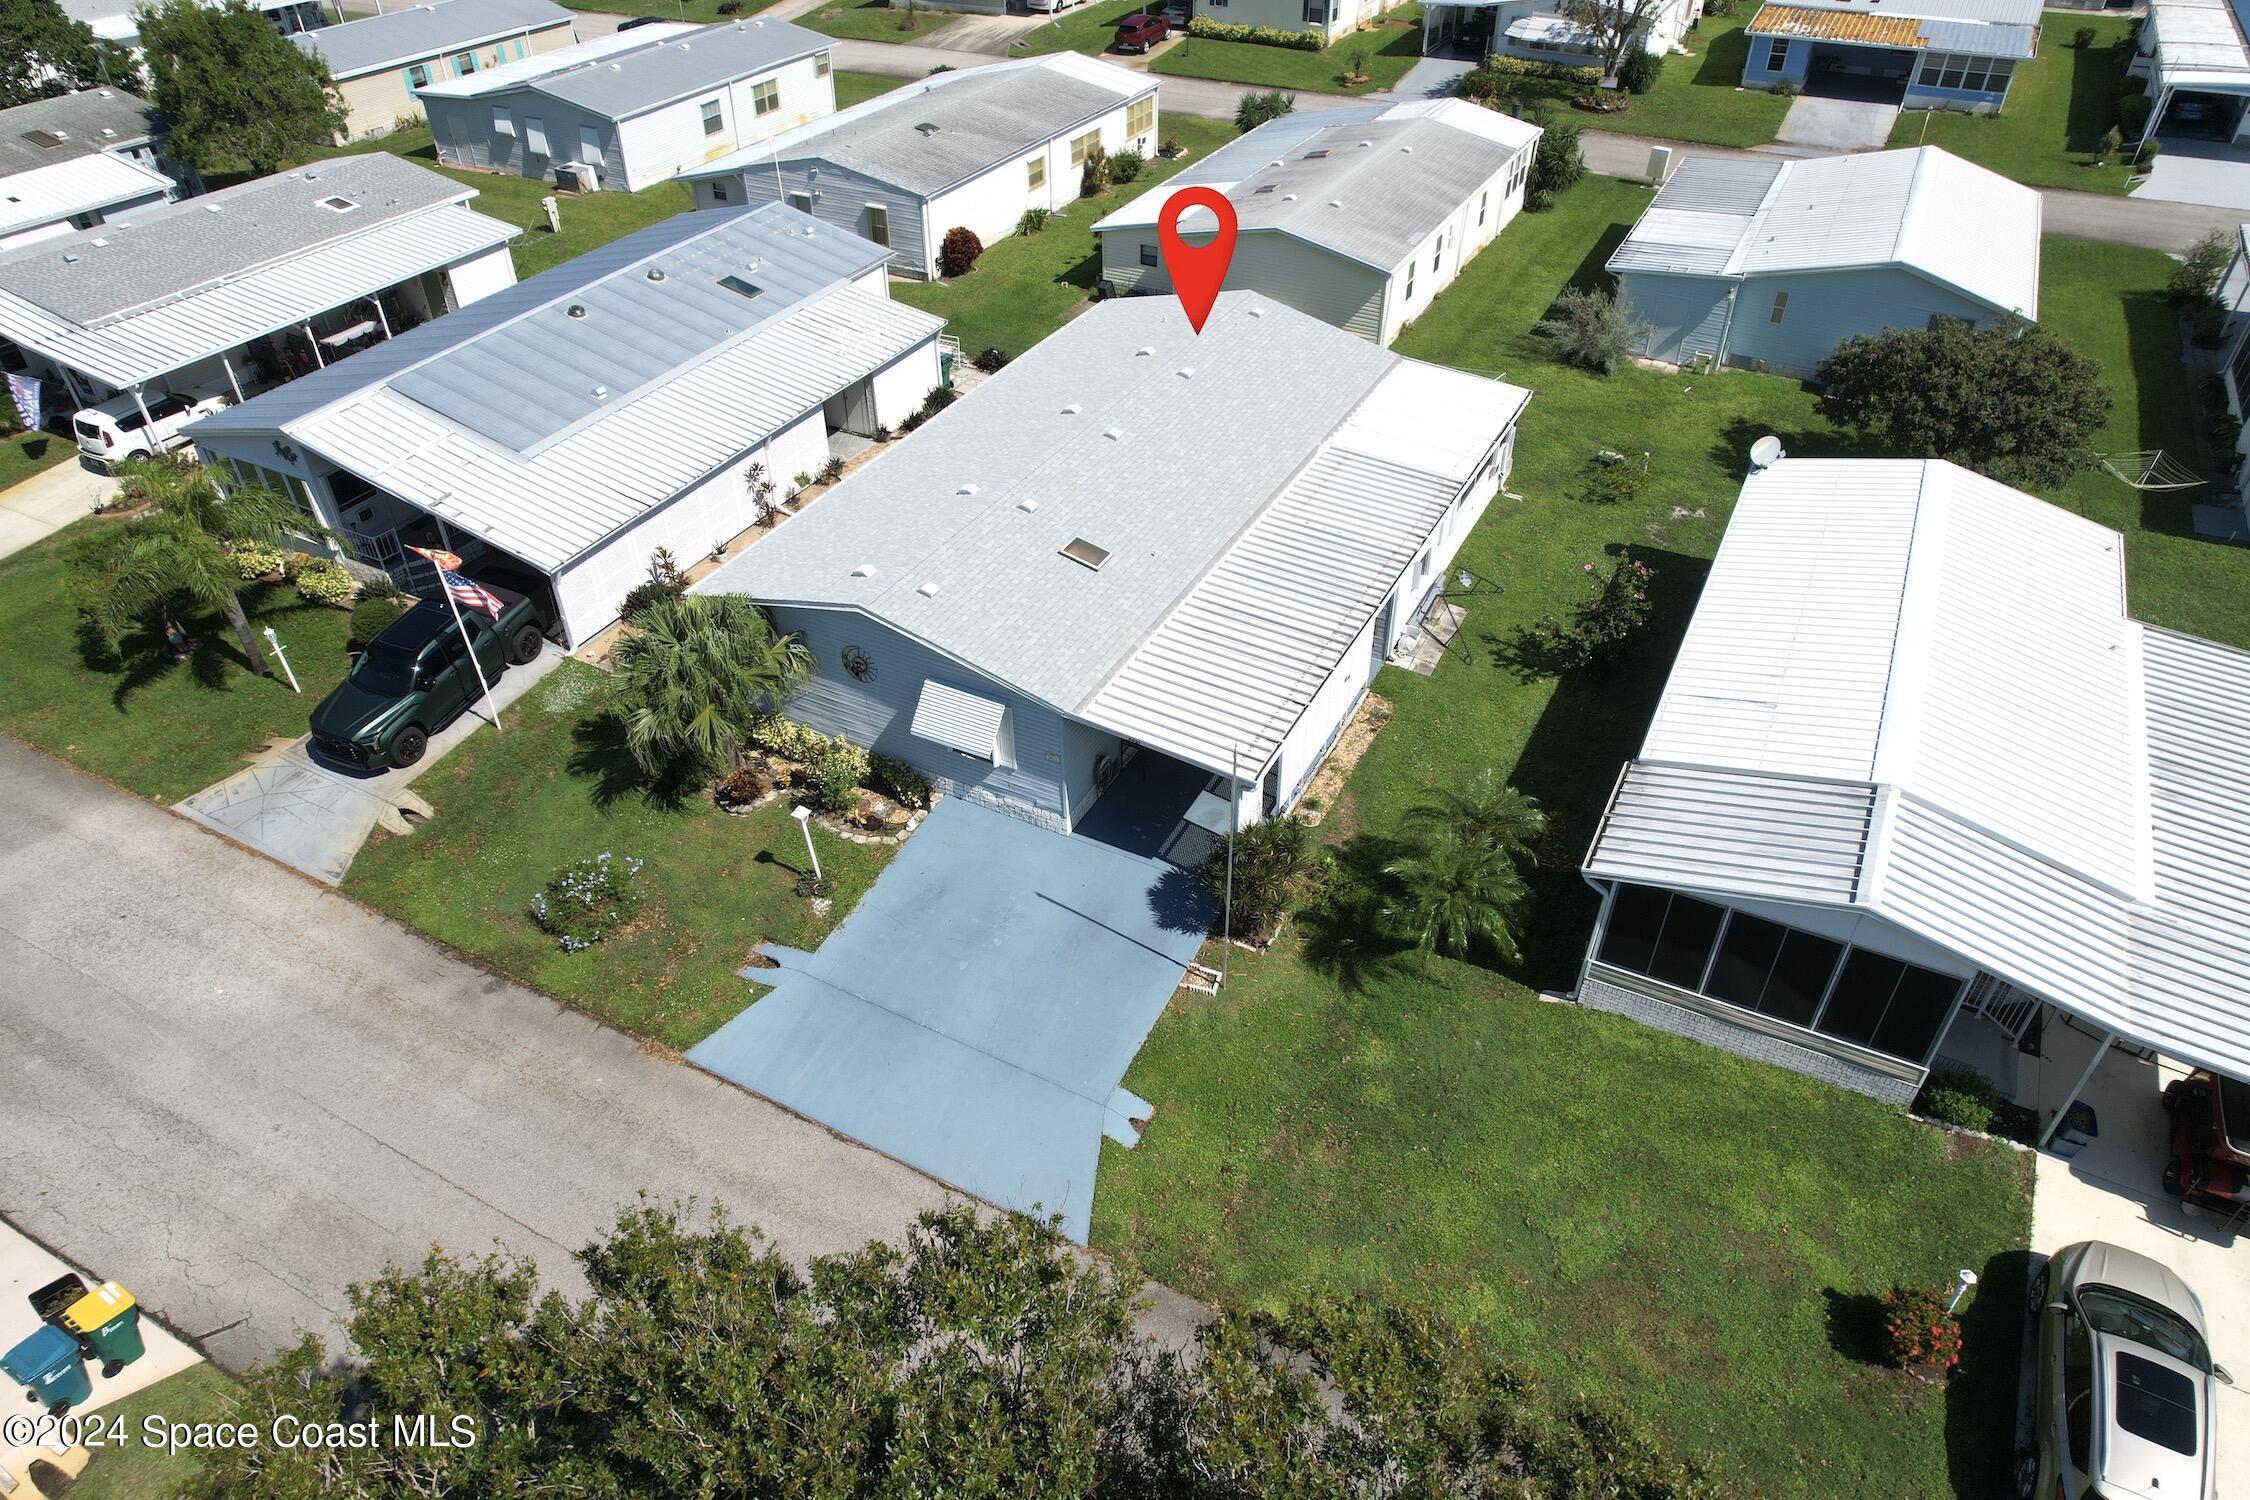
(2155,1403)
(2123,1315)
(385,670)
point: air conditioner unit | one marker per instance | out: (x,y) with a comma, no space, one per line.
(576,177)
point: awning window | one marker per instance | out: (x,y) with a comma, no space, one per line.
(968,722)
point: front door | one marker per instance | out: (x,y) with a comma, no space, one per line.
(1382,642)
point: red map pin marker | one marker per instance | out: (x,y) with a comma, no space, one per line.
(1197,271)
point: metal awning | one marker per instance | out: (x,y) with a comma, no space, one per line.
(960,720)
(1555,31)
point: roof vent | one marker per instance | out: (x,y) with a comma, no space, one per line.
(1187,372)
(1288,197)
(1269,187)
(107,133)
(601,393)
(926,128)
(1072,410)
(1316,155)
(69,257)
(1144,350)
(1115,434)
(1335,203)
(656,273)
(1027,505)
(1257,312)
(864,570)
(1086,553)
(966,489)
(98,241)
(617,67)
(212,208)
(1409,150)
(1365,144)
(575,310)
(928,590)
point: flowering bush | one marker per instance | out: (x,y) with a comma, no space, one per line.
(588,901)
(1599,631)
(833,776)
(1919,1330)
(786,738)
(321,581)
(958,251)
(255,560)
(898,781)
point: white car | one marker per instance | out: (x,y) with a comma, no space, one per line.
(114,431)
(1048,7)
(2121,1399)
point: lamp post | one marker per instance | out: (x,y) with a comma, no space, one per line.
(1963,1280)
(283,657)
(803,815)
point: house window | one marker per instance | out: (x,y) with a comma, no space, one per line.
(1035,171)
(590,147)
(1084,147)
(1972,75)
(1849,994)
(418,76)
(1777,54)
(2238,373)
(719,192)
(820,65)
(802,202)
(714,118)
(1140,116)
(1316,12)
(1148,255)
(1780,306)
(1410,281)
(534,135)
(1437,258)
(1484,201)
(464,63)
(502,122)
(765,96)
(1269,795)
(879,224)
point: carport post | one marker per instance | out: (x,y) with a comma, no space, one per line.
(1234,806)
(227,360)
(148,422)
(2076,1089)
(314,340)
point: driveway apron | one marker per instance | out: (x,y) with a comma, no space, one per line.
(975,1015)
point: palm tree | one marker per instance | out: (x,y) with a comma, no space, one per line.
(696,672)
(1487,810)
(1455,888)
(178,554)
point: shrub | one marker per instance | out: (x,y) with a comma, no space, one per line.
(958,251)
(1783,91)
(939,398)
(370,618)
(254,560)
(740,786)
(1957,1096)
(2082,38)
(898,781)
(1256,109)
(293,563)
(1273,864)
(1491,79)
(786,738)
(1262,36)
(1556,166)
(1718,7)
(1590,329)
(730,7)
(321,581)
(1610,478)
(1918,1330)
(1032,222)
(2132,112)
(991,360)
(1170,149)
(2112,142)
(1126,165)
(833,775)
(815,887)
(2195,279)
(1600,630)
(830,471)
(1639,72)
(1093,177)
(642,598)
(2146,156)
(588,900)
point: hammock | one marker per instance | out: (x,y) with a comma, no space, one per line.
(2152,470)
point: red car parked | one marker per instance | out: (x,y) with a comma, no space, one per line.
(2210,1161)
(1140,31)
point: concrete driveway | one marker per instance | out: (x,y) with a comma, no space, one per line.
(2203,172)
(313,815)
(48,501)
(1831,124)
(236,1092)
(975,1015)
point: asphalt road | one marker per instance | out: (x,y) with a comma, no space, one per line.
(236,1092)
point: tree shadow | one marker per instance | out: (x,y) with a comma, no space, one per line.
(1724,58)
(1591,274)
(1084,274)
(600,756)
(1346,936)
(1178,902)
(1855,1326)
(1984,1400)
(1730,450)
(2165,411)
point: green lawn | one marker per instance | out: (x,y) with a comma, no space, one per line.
(1697,98)
(1622,1213)
(513,808)
(1384,54)
(157,729)
(199,1393)
(1025,288)
(1083,28)
(856,88)
(2059,106)
(33,452)
(704,11)
(875,21)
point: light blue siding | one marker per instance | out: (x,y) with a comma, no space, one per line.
(1687,315)
(1826,308)
(839,197)
(1755,73)
(879,714)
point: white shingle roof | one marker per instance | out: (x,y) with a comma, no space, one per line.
(2059,794)
(1922,208)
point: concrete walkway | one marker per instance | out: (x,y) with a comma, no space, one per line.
(50,500)
(314,816)
(287,1092)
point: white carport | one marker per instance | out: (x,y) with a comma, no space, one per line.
(2195,51)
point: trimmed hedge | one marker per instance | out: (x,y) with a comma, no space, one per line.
(1263,36)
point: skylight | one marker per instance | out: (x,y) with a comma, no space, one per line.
(1084,552)
(338,205)
(1269,187)
(1316,155)
(741,288)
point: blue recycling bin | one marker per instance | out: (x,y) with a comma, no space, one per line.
(49,1365)
(2077,1131)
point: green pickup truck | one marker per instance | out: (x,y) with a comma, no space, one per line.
(416,678)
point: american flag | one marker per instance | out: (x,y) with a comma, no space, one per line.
(470,594)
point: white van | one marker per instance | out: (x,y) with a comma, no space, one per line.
(1049,7)
(114,431)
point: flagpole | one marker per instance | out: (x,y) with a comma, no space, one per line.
(471,647)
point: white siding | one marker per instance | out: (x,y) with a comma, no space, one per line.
(481,275)
(1314,281)
(839,197)
(664,142)
(991,204)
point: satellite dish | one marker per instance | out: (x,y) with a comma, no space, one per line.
(1766,452)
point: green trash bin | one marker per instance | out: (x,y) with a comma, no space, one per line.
(107,1321)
